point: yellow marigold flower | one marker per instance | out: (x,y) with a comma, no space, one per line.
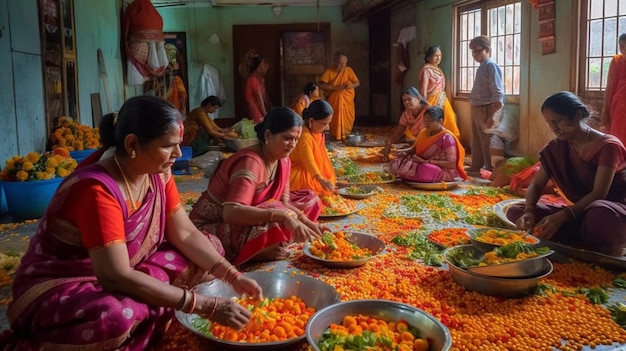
(27,166)
(33,157)
(51,163)
(21,176)
(62,152)
(62,172)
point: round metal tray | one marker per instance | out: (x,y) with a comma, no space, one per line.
(313,292)
(362,240)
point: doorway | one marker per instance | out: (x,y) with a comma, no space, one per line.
(297,54)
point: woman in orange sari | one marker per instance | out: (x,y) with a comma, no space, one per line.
(310,93)
(436,155)
(248,204)
(310,165)
(614,109)
(432,85)
(339,83)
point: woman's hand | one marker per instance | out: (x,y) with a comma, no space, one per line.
(549,225)
(223,311)
(325,183)
(526,221)
(300,231)
(384,153)
(245,285)
(419,159)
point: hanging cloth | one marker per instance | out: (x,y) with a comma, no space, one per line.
(210,84)
(404,63)
(142,36)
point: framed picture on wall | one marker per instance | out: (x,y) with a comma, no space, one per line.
(546,11)
(546,28)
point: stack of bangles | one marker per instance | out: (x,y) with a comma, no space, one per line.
(228,276)
(188,303)
(287,216)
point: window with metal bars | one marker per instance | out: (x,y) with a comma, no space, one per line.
(501,22)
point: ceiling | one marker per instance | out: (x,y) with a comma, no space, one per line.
(217,3)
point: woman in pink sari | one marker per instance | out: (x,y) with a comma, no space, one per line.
(589,168)
(614,108)
(115,253)
(248,205)
(432,84)
(436,155)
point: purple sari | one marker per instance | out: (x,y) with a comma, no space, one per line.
(574,175)
(58,302)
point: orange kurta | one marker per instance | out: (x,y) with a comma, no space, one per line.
(342,100)
(309,159)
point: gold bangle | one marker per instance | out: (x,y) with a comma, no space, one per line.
(571,211)
(216,264)
(271,215)
(184,300)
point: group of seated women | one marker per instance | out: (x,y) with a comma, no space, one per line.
(116,253)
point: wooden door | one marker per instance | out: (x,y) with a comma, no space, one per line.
(380,71)
(265,40)
(284,79)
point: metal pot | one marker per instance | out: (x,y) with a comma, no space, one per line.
(355,139)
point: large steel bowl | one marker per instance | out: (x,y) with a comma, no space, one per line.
(238,144)
(430,328)
(529,267)
(313,292)
(495,286)
(475,237)
(362,240)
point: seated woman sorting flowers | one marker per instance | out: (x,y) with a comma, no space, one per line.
(115,250)
(589,168)
(248,205)
(436,154)
(310,165)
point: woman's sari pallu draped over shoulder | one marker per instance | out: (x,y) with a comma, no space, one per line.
(59,303)
(237,181)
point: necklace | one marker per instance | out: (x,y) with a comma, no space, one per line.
(585,143)
(270,169)
(127,189)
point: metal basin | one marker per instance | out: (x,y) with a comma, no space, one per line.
(475,234)
(355,139)
(315,293)
(362,240)
(495,286)
(433,330)
(529,267)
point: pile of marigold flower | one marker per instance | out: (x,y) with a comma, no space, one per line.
(557,317)
(69,134)
(37,166)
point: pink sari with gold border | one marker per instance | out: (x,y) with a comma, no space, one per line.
(58,302)
(238,180)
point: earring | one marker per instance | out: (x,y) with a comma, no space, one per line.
(133,154)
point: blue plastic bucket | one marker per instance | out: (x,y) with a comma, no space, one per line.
(29,200)
(80,155)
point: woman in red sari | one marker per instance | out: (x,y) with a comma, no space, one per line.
(115,253)
(257,100)
(248,205)
(436,155)
(589,168)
